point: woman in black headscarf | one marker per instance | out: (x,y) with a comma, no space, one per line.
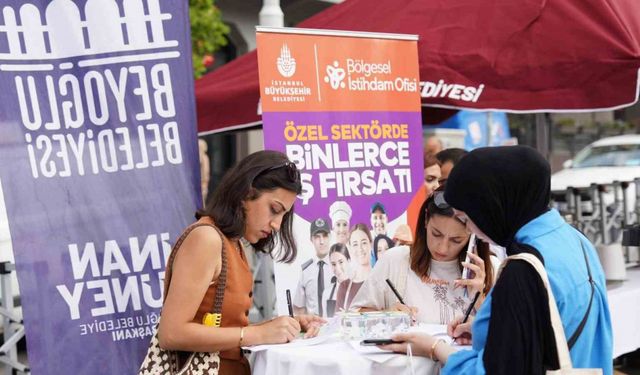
(503,195)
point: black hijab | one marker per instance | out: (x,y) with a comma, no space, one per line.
(501,189)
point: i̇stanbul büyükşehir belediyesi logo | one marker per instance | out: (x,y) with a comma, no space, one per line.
(286,62)
(287,90)
(361,75)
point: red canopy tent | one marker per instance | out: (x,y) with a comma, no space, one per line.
(520,55)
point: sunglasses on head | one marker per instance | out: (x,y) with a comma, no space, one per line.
(441,203)
(292,171)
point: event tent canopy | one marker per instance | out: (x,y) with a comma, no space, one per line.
(509,55)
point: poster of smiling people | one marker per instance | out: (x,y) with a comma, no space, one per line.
(345,108)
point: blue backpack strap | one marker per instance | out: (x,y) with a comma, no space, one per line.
(572,340)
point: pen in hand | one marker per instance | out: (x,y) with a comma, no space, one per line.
(393,289)
(289,305)
(399,297)
(468,312)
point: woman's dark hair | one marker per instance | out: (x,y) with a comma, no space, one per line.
(452,155)
(340,248)
(381,237)
(420,256)
(257,173)
(429,159)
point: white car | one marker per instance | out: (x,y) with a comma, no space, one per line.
(602,162)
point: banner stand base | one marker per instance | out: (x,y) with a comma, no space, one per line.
(12,327)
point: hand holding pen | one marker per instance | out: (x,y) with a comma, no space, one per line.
(460,332)
(460,328)
(310,324)
(401,306)
(289,304)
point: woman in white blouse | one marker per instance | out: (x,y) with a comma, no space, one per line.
(428,274)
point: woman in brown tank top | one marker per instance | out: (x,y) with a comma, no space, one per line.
(254,200)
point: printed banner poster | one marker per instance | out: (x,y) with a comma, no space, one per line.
(346,109)
(98,171)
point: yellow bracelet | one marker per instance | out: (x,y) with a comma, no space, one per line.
(241,336)
(433,350)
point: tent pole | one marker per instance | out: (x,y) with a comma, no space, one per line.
(542,135)
(250,141)
(271,15)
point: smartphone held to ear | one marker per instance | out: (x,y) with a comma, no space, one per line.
(374,342)
(471,248)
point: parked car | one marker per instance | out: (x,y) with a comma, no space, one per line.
(602,162)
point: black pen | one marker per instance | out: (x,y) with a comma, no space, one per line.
(289,303)
(468,312)
(393,289)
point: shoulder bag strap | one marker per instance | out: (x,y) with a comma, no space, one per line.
(576,334)
(561,344)
(222,278)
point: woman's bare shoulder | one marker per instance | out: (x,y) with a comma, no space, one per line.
(200,244)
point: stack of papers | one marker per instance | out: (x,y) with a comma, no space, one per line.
(296,343)
(436,330)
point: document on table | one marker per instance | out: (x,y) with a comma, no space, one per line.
(439,331)
(328,332)
(378,355)
(372,353)
(296,343)
(435,330)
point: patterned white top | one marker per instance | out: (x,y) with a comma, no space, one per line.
(434,296)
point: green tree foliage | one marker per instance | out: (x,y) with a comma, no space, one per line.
(207,33)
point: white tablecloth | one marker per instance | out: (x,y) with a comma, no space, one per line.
(624,305)
(334,358)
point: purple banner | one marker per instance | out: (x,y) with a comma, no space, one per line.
(358,157)
(98,165)
(360,171)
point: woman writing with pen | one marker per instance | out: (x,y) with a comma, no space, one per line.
(427,275)
(254,201)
